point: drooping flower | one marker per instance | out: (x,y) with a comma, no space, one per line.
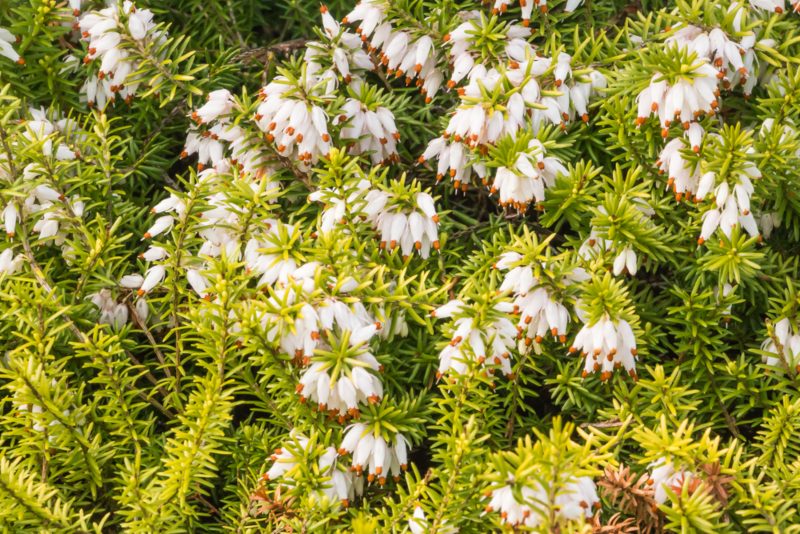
(6,50)
(783,347)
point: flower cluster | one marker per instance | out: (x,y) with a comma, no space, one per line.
(338,50)
(342,373)
(408,220)
(340,203)
(111,33)
(340,485)
(576,499)
(480,333)
(511,103)
(369,127)
(44,200)
(708,60)
(292,118)
(526,174)
(539,311)
(371,452)
(607,345)
(401,52)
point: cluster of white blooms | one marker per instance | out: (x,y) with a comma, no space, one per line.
(465,49)
(694,95)
(576,499)
(6,50)
(341,486)
(607,345)
(111,312)
(502,103)
(291,119)
(715,60)
(371,452)
(340,383)
(734,61)
(665,476)
(49,206)
(370,129)
(340,204)
(43,128)
(783,346)
(401,223)
(264,254)
(108,32)
(224,145)
(341,50)
(732,203)
(683,177)
(476,339)
(527,6)
(401,53)
(539,312)
(526,180)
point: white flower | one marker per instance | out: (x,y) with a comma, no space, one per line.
(625,262)
(198,283)
(6,50)
(371,452)
(153,277)
(220,102)
(607,345)
(783,347)
(131,281)
(161,225)
(418,523)
(154,254)
(10,216)
(9,263)
(665,476)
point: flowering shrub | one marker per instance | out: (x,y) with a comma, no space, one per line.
(400,266)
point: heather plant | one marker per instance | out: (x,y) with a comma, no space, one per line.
(400,266)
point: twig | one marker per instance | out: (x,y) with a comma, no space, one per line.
(143,327)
